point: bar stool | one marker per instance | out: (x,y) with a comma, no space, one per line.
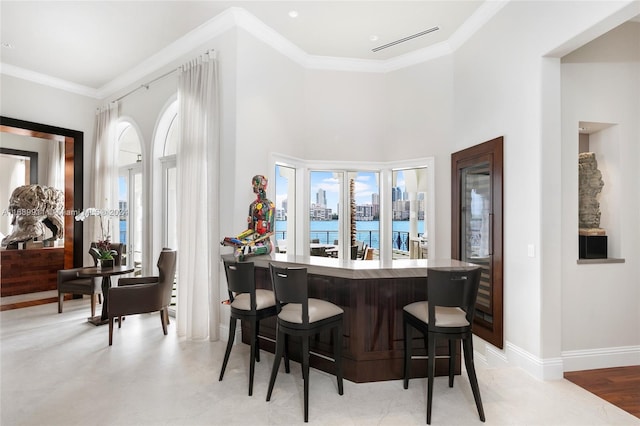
(247,304)
(298,315)
(448,313)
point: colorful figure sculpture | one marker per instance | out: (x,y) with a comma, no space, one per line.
(255,240)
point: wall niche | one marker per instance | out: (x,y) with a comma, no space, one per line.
(599,193)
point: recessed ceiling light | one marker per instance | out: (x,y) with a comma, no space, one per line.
(293,13)
(373,37)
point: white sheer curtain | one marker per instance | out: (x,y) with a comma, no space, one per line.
(105,175)
(197,183)
(56,165)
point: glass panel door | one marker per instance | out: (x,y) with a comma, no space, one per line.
(171,212)
(136,215)
(408,202)
(131,213)
(475,227)
(285,190)
(324,212)
(364,200)
(476,194)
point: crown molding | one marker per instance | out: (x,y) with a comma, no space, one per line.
(46,80)
(269,36)
(236,17)
(487,10)
(174,51)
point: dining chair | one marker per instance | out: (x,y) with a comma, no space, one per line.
(140,295)
(318,251)
(368,253)
(446,314)
(363,255)
(247,304)
(69,283)
(281,246)
(299,315)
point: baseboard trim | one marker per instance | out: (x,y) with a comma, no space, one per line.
(591,359)
(554,368)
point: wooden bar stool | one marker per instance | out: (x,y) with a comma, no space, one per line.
(298,315)
(247,304)
(446,314)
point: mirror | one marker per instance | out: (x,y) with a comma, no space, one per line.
(71,150)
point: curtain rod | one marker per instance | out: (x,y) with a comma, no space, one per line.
(146,85)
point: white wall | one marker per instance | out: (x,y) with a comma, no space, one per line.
(496,90)
(601,83)
(345,116)
(504,85)
(419,123)
(270,103)
(28,101)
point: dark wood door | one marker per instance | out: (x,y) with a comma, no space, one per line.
(476,229)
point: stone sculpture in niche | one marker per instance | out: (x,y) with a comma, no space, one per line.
(590,185)
(35,207)
(592,238)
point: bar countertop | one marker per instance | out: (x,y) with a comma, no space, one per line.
(355,269)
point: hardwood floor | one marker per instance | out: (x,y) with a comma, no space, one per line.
(27,303)
(30,299)
(619,386)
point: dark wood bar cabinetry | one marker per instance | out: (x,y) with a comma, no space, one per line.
(372,297)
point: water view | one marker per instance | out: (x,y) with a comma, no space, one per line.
(326,231)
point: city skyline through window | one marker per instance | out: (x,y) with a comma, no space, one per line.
(325,186)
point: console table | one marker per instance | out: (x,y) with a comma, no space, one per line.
(30,271)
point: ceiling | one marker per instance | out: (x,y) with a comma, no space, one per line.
(93,43)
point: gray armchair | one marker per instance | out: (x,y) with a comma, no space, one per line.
(142,295)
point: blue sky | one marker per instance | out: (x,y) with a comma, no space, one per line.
(366,184)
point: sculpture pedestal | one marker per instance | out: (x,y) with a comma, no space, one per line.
(592,246)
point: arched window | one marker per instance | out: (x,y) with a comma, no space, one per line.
(165,146)
(130,193)
(169,177)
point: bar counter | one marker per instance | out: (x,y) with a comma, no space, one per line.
(372,295)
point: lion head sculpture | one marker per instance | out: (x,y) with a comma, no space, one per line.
(33,207)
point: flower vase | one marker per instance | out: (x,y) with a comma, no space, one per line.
(106,263)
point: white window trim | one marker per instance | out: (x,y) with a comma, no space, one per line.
(385,170)
(167,163)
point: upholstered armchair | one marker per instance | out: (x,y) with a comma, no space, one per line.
(68,281)
(140,295)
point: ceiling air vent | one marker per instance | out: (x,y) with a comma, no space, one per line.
(402,40)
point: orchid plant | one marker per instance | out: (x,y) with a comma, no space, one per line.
(102,249)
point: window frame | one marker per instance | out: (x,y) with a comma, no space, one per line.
(385,170)
(128,172)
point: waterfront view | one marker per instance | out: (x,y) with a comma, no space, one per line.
(326,231)
(331,191)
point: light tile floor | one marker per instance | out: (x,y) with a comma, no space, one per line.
(56,369)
